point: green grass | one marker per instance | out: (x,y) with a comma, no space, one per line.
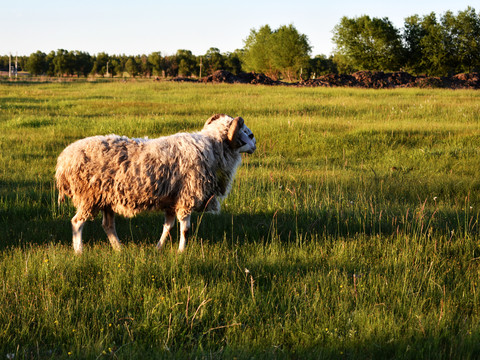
(352,232)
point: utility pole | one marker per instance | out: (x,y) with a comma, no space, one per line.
(200,68)
(16,65)
(10,66)
(107,68)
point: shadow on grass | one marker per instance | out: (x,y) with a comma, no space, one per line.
(27,224)
(32,222)
(420,347)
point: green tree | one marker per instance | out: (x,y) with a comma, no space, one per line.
(83,63)
(321,65)
(37,63)
(281,52)
(122,66)
(50,63)
(233,61)
(462,40)
(171,66)
(131,66)
(290,51)
(213,60)
(187,63)
(143,66)
(115,66)
(61,63)
(257,51)
(433,47)
(366,43)
(443,46)
(4,62)
(22,63)
(426,45)
(413,33)
(100,64)
(157,62)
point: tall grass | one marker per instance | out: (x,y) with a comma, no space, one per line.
(352,232)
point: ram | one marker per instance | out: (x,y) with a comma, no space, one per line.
(177,174)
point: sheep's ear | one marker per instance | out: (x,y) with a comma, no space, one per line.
(235,127)
(213,118)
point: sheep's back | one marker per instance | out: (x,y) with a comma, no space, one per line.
(133,175)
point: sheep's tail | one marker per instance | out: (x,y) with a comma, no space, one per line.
(60,181)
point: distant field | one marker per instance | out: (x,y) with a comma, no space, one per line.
(352,232)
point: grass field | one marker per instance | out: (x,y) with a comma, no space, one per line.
(352,232)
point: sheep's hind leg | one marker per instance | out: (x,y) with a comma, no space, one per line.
(184,226)
(78,221)
(108,224)
(167,226)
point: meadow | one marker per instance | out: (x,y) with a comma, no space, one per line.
(352,232)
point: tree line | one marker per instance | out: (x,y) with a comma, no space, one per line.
(79,63)
(431,45)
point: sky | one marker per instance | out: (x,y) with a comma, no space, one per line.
(137,27)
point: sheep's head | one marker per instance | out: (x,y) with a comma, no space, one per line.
(239,136)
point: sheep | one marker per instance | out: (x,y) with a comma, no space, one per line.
(177,174)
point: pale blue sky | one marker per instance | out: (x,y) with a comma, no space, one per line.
(144,26)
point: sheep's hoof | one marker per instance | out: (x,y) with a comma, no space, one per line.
(117,248)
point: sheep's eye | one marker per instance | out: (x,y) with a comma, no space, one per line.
(250,136)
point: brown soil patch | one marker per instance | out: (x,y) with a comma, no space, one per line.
(360,79)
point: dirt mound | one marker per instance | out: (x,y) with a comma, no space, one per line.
(257,78)
(330,80)
(381,80)
(183,79)
(222,76)
(429,82)
(361,79)
(467,81)
(364,79)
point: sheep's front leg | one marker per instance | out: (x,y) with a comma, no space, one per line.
(167,226)
(108,224)
(184,226)
(78,221)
